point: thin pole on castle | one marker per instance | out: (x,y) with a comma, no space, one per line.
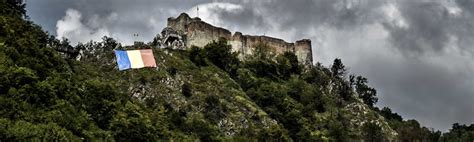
(197,11)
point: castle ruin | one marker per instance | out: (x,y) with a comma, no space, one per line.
(184,32)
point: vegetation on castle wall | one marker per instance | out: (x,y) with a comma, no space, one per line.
(204,94)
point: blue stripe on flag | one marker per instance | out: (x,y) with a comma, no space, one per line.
(122,60)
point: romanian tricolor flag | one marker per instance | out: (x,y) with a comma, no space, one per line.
(127,59)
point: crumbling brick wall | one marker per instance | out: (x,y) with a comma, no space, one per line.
(200,33)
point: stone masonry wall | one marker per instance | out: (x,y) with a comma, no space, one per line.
(200,33)
(303,51)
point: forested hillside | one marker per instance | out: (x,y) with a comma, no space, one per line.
(52,91)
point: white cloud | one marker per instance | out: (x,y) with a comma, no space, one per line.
(393,15)
(452,8)
(72,28)
(247,20)
(354,46)
(207,11)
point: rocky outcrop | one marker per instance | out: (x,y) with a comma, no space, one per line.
(196,32)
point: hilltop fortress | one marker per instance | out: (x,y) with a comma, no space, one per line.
(184,32)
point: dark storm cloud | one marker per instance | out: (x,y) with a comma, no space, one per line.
(432,26)
(145,17)
(303,14)
(467,5)
(242,18)
(418,54)
(427,92)
(428,24)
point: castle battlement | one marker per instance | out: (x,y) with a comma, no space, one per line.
(196,32)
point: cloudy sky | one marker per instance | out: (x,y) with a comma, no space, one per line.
(418,54)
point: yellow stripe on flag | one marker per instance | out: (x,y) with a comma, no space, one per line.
(135,58)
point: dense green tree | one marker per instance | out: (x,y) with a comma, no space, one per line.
(220,54)
(318,75)
(287,64)
(197,56)
(338,69)
(372,132)
(186,89)
(262,62)
(366,93)
(388,114)
(13,7)
(459,133)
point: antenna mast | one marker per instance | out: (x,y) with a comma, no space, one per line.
(197,11)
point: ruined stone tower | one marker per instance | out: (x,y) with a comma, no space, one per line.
(196,32)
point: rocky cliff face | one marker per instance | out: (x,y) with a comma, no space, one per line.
(199,33)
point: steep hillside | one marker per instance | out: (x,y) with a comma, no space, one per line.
(208,93)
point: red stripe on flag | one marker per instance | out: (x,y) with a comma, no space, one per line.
(148,58)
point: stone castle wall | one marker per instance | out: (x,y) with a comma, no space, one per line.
(200,33)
